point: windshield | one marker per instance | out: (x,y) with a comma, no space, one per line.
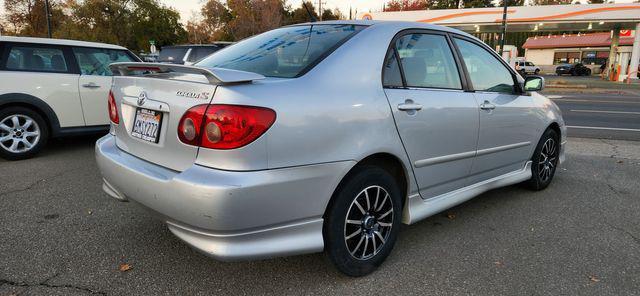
(286,52)
(172,54)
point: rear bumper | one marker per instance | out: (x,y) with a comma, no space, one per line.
(226,214)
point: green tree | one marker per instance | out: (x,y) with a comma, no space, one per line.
(550,2)
(477,3)
(154,21)
(28,17)
(300,14)
(512,3)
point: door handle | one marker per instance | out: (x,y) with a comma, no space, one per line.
(487,106)
(90,85)
(409,105)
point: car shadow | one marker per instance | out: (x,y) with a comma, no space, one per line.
(65,145)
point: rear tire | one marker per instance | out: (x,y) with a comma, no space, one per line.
(23,133)
(363,220)
(545,161)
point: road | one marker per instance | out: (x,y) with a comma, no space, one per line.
(600,115)
(61,235)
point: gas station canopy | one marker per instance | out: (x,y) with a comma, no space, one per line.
(592,17)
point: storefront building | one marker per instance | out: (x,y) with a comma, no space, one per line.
(590,49)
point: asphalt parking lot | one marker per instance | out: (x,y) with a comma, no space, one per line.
(61,235)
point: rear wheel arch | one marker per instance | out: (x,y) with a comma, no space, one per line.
(37,105)
(388,162)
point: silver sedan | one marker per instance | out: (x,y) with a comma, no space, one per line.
(324,136)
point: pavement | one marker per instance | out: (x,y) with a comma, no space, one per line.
(599,115)
(61,235)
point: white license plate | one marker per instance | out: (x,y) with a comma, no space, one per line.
(146,125)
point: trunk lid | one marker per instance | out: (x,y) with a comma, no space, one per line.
(166,99)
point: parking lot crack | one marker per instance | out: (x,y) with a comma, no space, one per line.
(34,184)
(46,283)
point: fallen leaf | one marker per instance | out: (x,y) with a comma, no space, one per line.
(593,279)
(498,263)
(89,212)
(620,161)
(451,215)
(125,267)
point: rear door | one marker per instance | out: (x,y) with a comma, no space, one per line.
(436,119)
(507,117)
(95,80)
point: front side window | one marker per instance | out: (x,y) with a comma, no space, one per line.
(427,61)
(486,72)
(95,61)
(286,52)
(40,59)
(530,64)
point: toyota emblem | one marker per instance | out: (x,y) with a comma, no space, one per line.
(141,98)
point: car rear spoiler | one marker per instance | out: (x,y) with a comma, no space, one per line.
(214,75)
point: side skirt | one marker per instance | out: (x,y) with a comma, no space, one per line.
(418,208)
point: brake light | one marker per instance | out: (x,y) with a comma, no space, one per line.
(224,126)
(113,110)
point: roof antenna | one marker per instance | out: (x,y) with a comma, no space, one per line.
(313,19)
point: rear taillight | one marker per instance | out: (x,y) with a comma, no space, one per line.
(224,126)
(113,110)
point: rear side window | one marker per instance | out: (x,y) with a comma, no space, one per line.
(40,59)
(286,52)
(487,73)
(427,61)
(391,76)
(199,53)
(96,61)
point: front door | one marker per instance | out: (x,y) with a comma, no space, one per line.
(95,81)
(506,116)
(436,119)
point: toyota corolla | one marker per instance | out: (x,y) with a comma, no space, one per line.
(324,137)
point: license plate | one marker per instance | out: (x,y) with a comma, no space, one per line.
(146,125)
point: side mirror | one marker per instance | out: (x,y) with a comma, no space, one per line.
(533,83)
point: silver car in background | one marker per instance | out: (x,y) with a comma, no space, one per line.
(324,136)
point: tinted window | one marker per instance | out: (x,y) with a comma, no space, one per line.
(391,73)
(530,64)
(487,73)
(172,54)
(94,61)
(36,59)
(199,53)
(285,52)
(427,61)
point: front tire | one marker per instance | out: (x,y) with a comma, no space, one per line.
(23,133)
(363,221)
(545,161)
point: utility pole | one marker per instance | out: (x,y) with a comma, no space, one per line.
(320,9)
(46,10)
(504,26)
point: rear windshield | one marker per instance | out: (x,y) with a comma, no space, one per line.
(172,54)
(286,52)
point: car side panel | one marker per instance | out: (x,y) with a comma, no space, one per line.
(59,91)
(336,112)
